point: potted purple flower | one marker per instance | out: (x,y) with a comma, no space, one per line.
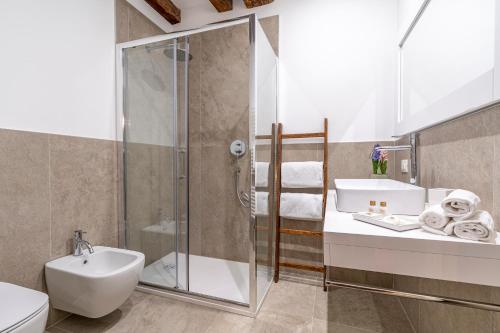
(380,159)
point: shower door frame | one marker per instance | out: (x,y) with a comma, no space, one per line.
(185,295)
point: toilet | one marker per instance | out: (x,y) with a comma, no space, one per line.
(22,310)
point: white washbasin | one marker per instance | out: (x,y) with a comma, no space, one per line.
(93,285)
(354,195)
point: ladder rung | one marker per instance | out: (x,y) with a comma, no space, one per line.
(303,135)
(303,267)
(301,232)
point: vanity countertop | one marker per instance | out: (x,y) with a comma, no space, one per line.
(358,245)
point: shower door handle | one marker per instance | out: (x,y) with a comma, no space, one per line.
(182,152)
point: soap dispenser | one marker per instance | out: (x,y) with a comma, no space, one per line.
(373,207)
(383,208)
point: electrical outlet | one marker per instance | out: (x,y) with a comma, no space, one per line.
(404,166)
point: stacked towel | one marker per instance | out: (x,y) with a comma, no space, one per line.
(302,174)
(458,215)
(261,203)
(302,206)
(434,220)
(479,226)
(460,204)
(261,174)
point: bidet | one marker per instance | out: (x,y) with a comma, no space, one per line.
(93,284)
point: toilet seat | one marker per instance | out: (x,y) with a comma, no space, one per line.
(19,305)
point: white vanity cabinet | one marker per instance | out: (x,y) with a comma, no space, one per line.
(357,245)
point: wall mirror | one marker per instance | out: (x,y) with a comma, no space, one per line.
(449,62)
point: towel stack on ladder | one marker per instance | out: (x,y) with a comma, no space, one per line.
(300,206)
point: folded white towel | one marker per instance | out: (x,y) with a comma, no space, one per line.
(301,206)
(460,204)
(261,203)
(434,217)
(302,174)
(261,174)
(478,227)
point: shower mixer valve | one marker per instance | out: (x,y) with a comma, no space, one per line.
(238,148)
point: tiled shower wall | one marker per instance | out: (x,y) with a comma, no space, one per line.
(218,114)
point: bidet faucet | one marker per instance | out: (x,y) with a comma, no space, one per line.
(78,242)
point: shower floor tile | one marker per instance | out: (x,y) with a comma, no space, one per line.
(214,277)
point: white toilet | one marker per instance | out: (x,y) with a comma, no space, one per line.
(22,310)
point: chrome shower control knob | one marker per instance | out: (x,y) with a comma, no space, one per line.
(238,148)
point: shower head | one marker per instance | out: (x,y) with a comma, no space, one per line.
(181,54)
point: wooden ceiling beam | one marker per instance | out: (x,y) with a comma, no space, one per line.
(167,9)
(222,5)
(256,3)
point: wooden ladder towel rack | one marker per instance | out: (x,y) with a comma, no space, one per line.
(298,232)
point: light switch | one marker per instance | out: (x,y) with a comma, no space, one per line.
(404,166)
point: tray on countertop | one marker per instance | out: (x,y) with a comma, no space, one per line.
(393,222)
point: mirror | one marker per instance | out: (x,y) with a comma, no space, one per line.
(447,63)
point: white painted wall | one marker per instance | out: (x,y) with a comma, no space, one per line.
(338,59)
(407,11)
(57,67)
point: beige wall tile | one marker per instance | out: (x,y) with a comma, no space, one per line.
(131,24)
(221,211)
(24,207)
(445,318)
(411,284)
(195,201)
(496,181)
(121,17)
(224,96)
(271,28)
(352,160)
(297,152)
(82,190)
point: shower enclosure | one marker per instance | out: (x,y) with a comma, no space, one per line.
(197,111)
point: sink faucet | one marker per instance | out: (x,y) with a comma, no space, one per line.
(412,147)
(79,242)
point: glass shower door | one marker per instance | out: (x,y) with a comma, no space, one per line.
(155,161)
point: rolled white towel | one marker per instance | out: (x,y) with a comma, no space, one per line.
(478,227)
(302,174)
(442,232)
(460,204)
(302,206)
(261,174)
(434,217)
(261,203)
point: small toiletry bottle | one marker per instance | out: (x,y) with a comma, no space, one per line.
(373,207)
(383,208)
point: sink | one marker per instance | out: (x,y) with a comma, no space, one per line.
(93,285)
(354,195)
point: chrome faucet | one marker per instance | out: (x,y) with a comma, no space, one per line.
(79,242)
(412,147)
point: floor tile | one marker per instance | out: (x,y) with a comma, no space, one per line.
(289,307)
(290,299)
(324,326)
